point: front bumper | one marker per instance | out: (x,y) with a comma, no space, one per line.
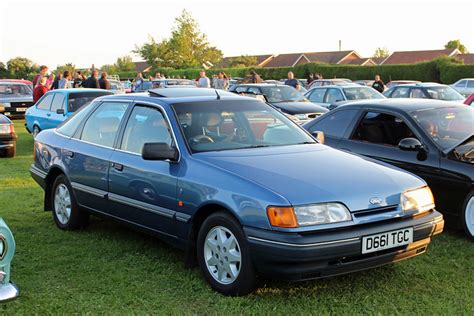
(297,256)
(8,292)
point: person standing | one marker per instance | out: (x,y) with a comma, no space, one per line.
(222,82)
(104,82)
(65,82)
(59,76)
(310,78)
(137,81)
(378,84)
(40,89)
(92,82)
(50,81)
(291,81)
(42,73)
(203,81)
(254,77)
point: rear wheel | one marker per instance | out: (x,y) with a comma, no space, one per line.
(223,255)
(66,213)
(35,131)
(468,216)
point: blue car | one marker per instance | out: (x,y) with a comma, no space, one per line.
(236,184)
(56,106)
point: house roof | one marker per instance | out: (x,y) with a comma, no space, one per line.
(286,60)
(359,62)
(378,60)
(261,60)
(466,58)
(334,57)
(142,66)
(412,57)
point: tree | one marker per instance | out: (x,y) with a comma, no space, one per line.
(242,61)
(69,67)
(110,69)
(457,44)
(3,70)
(124,63)
(381,52)
(187,47)
(20,67)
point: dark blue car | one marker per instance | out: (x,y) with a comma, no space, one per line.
(236,184)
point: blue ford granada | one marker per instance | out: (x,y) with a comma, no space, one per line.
(234,183)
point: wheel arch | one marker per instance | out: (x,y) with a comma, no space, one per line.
(53,173)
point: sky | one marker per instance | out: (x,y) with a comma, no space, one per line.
(96,32)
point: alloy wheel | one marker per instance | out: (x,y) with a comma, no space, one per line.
(469,216)
(62,203)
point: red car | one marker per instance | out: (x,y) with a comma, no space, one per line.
(470,100)
(27,82)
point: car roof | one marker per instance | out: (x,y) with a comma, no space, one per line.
(73,90)
(422,85)
(401,104)
(264,84)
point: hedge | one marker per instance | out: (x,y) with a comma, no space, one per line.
(444,70)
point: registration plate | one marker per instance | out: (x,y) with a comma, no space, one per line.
(21,109)
(387,240)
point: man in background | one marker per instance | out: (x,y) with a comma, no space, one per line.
(104,82)
(203,81)
(378,84)
(291,81)
(42,73)
(40,89)
(93,81)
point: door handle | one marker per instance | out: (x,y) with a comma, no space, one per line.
(48,114)
(67,153)
(117,166)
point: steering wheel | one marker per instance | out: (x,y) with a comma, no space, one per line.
(201,139)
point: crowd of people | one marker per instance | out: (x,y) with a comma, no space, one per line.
(42,82)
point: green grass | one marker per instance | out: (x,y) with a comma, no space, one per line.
(108,268)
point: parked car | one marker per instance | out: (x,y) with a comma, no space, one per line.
(57,105)
(333,96)
(127,85)
(289,100)
(236,184)
(166,83)
(27,82)
(8,289)
(394,83)
(470,100)
(328,82)
(464,86)
(367,83)
(143,86)
(426,90)
(433,139)
(15,98)
(7,137)
(116,86)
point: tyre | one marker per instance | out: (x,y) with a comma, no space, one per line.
(66,213)
(223,255)
(468,215)
(35,131)
(10,152)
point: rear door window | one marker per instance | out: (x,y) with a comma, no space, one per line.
(400,92)
(333,95)
(335,124)
(317,95)
(58,102)
(45,104)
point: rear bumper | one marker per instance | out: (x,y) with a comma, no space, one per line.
(6,143)
(322,254)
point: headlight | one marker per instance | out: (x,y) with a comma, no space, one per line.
(419,199)
(306,215)
(325,213)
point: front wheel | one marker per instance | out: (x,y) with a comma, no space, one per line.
(468,216)
(66,213)
(223,256)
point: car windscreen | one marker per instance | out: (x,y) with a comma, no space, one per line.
(12,90)
(447,127)
(444,93)
(79,99)
(230,125)
(282,93)
(362,93)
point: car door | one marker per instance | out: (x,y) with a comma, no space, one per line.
(55,118)
(316,96)
(377,135)
(334,125)
(87,155)
(461,86)
(332,96)
(143,191)
(43,111)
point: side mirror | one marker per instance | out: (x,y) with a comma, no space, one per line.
(60,111)
(159,151)
(319,136)
(410,144)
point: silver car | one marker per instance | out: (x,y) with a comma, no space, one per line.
(464,86)
(333,96)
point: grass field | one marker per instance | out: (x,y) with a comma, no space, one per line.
(108,268)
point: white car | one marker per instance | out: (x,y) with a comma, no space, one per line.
(464,86)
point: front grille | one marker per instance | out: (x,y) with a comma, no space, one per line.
(20,104)
(377,210)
